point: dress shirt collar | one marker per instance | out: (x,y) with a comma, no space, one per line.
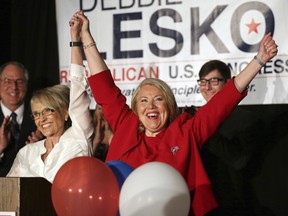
(19,112)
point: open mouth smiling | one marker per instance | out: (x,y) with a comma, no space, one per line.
(152,115)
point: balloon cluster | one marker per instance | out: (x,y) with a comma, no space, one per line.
(86,186)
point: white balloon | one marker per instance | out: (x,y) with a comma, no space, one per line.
(154,189)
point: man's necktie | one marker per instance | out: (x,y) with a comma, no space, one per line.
(15,130)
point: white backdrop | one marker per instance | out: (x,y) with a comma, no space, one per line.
(172,39)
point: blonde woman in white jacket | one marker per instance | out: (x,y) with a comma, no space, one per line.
(52,111)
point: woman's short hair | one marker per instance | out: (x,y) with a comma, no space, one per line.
(165,89)
(56,97)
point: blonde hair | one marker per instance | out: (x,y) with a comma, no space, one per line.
(56,97)
(165,89)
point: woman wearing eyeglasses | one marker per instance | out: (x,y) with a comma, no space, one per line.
(66,124)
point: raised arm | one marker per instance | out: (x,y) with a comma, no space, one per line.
(267,50)
(79,100)
(75,32)
(95,62)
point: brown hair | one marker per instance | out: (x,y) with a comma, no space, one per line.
(209,66)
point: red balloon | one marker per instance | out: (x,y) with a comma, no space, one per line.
(85,186)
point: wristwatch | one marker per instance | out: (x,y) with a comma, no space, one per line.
(75,43)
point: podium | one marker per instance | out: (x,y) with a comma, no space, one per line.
(26,196)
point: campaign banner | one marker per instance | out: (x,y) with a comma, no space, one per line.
(172,39)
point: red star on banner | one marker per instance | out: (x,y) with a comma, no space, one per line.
(253,26)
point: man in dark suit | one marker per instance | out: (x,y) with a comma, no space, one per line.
(13,89)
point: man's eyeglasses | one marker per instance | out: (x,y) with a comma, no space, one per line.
(9,82)
(214,81)
(45,112)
